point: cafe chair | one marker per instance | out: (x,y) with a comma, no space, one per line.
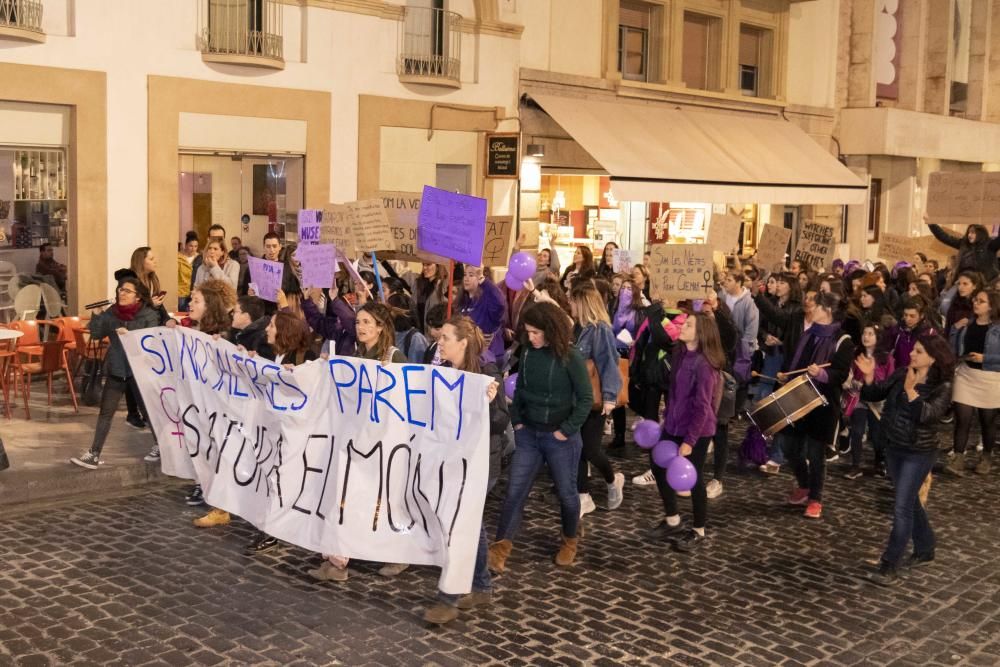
(8,359)
(54,305)
(51,362)
(9,284)
(63,327)
(27,298)
(30,343)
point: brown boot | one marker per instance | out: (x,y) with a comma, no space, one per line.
(497,556)
(956,466)
(985,465)
(567,552)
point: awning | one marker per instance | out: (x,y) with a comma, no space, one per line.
(655,153)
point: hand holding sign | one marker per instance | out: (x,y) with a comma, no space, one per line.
(319,264)
(452,225)
(266,275)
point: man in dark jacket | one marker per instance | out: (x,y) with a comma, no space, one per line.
(250,326)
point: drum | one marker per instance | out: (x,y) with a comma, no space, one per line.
(787,405)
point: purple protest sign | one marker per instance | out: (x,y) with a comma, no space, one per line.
(452,225)
(266,276)
(310,221)
(319,264)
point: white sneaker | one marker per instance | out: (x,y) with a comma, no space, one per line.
(153,456)
(616,491)
(770,468)
(607,426)
(586,504)
(645,479)
(714,488)
(979,447)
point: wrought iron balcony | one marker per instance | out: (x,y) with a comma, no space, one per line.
(21,19)
(429,47)
(241,32)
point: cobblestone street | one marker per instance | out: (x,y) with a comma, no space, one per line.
(130,581)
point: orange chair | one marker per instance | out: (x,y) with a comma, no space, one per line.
(29,343)
(64,331)
(8,360)
(52,361)
(87,347)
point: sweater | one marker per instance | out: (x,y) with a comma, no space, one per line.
(691,407)
(551,394)
(596,343)
(487,310)
(229,272)
(746,317)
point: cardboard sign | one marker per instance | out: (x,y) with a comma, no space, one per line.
(452,225)
(499,229)
(370,225)
(894,248)
(310,222)
(724,233)
(336,228)
(816,244)
(934,249)
(313,457)
(402,209)
(963,198)
(771,247)
(621,260)
(319,264)
(680,271)
(267,276)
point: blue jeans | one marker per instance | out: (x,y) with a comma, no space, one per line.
(776,448)
(908,470)
(562,457)
(770,367)
(861,418)
(481,580)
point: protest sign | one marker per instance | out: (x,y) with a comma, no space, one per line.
(310,221)
(772,246)
(897,248)
(370,225)
(680,271)
(724,233)
(344,456)
(336,228)
(266,275)
(621,260)
(497,244)
(963,198)
(934,249)
(452,225)
(402,208)
(319,264)
(816,244)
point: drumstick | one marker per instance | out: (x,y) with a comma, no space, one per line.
(761,375)
(803,370)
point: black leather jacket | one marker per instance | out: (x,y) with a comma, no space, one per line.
(907,424)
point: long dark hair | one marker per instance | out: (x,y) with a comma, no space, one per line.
(292,335)
(551,321)
(138,265)
(794,289)
(944,359)
(994,300)
(382,315)
(709,340)
(881,351)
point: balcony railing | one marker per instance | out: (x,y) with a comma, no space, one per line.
(241,32)
(21,19)
(430,47)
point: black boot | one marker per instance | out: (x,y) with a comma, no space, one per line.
(885,575)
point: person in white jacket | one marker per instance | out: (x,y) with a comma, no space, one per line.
(217,264)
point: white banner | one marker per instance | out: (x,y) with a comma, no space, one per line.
(346,456)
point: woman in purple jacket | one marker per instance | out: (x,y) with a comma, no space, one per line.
(483,302)
(695,384)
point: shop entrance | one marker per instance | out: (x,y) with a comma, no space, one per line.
(219,188)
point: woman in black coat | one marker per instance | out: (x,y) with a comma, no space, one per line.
(976,250)
(915,398)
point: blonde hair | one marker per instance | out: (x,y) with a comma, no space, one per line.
(590,308)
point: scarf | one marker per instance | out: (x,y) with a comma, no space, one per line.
(126,313)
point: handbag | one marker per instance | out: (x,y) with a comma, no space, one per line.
(726,408)
(595,384)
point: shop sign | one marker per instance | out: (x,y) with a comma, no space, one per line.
(502,155)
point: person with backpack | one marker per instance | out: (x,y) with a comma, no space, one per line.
(690,421)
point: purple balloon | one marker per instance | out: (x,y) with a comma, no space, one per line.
(681,475)
(509,383)
(522,265)
(513,282)
(664,452)
(647,433)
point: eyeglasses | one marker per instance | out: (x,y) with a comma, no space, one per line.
(125,290)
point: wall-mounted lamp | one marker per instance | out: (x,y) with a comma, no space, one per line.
(536,150)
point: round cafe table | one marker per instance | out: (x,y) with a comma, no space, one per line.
(7,334)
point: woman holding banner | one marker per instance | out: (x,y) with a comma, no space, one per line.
(131,311)
(376,337)
(551,402)
(461,345)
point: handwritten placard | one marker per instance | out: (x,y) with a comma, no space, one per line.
(310,221)
(772,246)
(267,276)
(958,198)
(898,248)
(402,209)
(816,244)
(680,271)
(452,225)
(496,246)
(724,233)
(370,225)
(622,260)
(336,228)
(319,264)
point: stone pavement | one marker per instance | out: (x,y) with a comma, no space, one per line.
(129,581)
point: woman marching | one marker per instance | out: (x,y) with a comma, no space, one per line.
(825,353)
(915,398)
(695,387)
(596,343)
(131,311)
(461,344)
(976,342)
(862,414)
(551,402)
